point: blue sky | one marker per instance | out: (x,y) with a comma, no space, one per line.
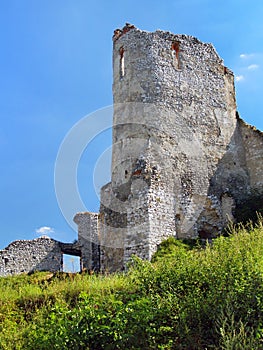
(55,68)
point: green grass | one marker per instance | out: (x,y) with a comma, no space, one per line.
(186,298)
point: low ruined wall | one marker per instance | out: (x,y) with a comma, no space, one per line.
(40,254)
(88,239)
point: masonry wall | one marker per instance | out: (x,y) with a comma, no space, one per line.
(181,157)
(88,240)
(41,254)
(253,149)
(175,110)
(112,228)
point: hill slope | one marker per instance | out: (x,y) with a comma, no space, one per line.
(188,298)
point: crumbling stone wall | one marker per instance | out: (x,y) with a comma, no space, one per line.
(182,158)
(112,230)
(174,116)
(40,254)
(88,240)
(252,140)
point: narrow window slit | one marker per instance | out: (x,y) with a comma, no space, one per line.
(175,53)
(121,52)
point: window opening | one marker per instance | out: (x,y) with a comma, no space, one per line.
(175,53)
(121,52)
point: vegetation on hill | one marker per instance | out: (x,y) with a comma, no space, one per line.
(186,298)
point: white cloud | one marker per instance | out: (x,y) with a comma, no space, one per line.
(44,230)
(253,67)
(239,78)
(246,55)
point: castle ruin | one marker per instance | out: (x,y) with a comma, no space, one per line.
(182,159)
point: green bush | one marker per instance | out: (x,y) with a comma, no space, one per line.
(187,298)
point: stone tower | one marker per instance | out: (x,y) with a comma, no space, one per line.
(181,157)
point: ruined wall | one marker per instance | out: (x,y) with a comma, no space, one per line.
(181,158)
(150,209)
(175,111)
(112,228)
(253,150)
(88,240)
(40,254)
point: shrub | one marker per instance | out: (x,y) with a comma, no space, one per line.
(187,298)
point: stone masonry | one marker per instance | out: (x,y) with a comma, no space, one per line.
(40,254)
(26,256)
(182,159)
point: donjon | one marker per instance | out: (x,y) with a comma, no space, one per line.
(182,159)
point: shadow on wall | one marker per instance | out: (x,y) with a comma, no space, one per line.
(233,194)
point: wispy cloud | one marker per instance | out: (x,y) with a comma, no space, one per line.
(245,56)
(253,67)
(44,231)
(247,65)
(239,78)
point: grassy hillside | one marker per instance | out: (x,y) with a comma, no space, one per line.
(187,298)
